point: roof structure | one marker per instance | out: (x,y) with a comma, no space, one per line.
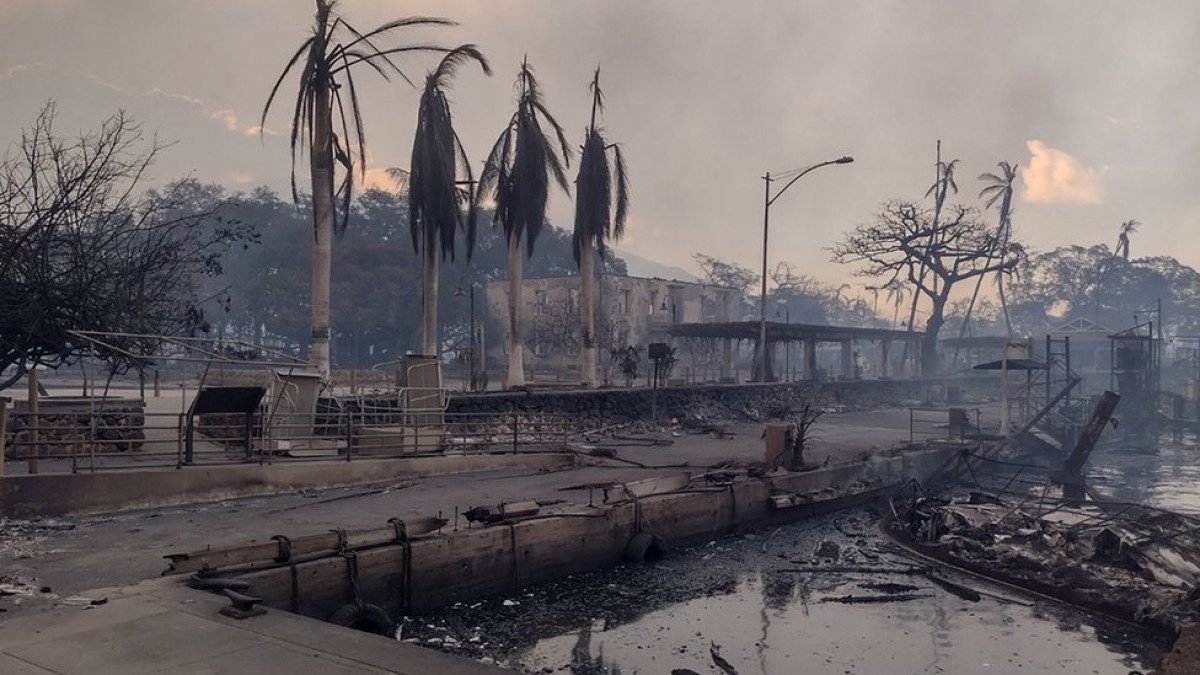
(146,348)
(782,332)
(1013,364)
(1082,325)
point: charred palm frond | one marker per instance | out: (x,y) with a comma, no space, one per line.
(326,61)
(598,185)
(522,162)
(437,206)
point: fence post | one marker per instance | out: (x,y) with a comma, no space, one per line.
(34,439)
(349,430)
(3,430)
(515,423)
(910,426)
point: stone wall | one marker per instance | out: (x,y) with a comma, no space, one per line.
(65,425)
(711,403)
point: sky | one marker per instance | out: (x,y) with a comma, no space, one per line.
(1097,101)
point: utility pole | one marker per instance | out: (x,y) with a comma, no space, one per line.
(763,373)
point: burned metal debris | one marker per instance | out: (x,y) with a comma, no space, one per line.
(1125,560)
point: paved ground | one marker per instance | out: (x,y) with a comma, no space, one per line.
(162,627)
(71,555)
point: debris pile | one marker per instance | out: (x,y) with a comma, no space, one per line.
(1128,561)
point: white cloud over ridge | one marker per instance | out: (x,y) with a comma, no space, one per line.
(1053,176)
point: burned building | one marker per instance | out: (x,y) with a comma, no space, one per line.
(630,312)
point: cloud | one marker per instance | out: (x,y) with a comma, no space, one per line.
(101,82)
(256,130)
(243,178)
(377,178)
(227,118)
(1053,176)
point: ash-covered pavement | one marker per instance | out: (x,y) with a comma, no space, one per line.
(829,595)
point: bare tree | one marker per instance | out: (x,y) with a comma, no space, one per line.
(904,240)
(728,275)
(82,248)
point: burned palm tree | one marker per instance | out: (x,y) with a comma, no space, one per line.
(896,293)
(517,176)
(1127,228)
(327,60)
(439,202)
(941,188)
(598,185)
(998,188)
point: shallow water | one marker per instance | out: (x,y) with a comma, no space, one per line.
(763,631)
(1168,478)
(759,599)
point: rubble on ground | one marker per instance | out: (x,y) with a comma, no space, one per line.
(1132,562)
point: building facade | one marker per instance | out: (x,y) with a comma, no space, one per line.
(630,312)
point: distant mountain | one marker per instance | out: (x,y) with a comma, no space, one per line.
(638,266)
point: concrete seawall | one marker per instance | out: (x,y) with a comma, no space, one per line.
(461,565)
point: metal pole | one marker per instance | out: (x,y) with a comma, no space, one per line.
(3,430)
(761,376)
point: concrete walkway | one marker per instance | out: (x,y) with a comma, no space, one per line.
(160,626)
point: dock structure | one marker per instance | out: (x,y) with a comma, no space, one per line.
(890,364)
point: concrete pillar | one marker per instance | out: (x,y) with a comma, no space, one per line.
(885,347)
(726,359)
(810,359)
(768,373)
(847,359)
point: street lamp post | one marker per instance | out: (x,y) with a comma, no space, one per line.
(763,374)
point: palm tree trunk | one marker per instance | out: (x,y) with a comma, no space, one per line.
(516,345)
(587,312)
(1004,303)
(321,168)
(429,299)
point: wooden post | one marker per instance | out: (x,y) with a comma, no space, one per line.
(34,440)
(3,430)
(1091,433)
(157,392)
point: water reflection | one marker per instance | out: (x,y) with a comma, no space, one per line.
(1167,478)
(773,616)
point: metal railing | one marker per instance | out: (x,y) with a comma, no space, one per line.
(930,423)
(106,440)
